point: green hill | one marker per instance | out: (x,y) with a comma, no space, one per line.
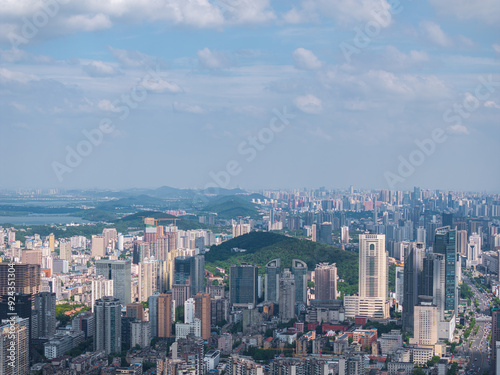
(230,207)
(261,247)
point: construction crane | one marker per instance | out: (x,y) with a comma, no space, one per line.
(163,219)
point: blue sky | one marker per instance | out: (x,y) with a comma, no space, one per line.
(186,84)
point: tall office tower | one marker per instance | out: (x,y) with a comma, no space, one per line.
(198,279)
(98,247)
(344,234)
(287,296)
(101,287)
(181,293)
(45,305)
(271,280)
(26,277)
(325,281)
(433,281)
(473,250)
(140,251)
(121,241)
(189,311)
(135,310)
(202,311)
(426,323)
(119,272)
(108,334)
(243,284)
(495,339)
(153,313)
(65,251)
(445,243)
(413,267)
(400,285)
(372,300)
(110,237)
(52,243)
(299,271)
(421,235)
(190,270)
(325,233)
(448,219)
(314,231)
(149,275)
(14,347)
(462,242)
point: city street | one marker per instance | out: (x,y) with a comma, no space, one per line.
(477,347)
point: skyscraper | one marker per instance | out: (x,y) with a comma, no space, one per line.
(462,242)
(135,310)
(164,317)
(192,269)
(25,276)
(271,280)
(119,272)
(14,347)
(153,313)
(495,337)
(98,246)
(107,334)
(372,300)
(149,276)
(243,284)
(413,266)
(287,296)
(202,311)
(426,323)
(65,251)
(299,271)
(325,281)
(45,305)
(445,243)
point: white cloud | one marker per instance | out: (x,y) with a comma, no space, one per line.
(484,10)
(435,34)
(491,104)
(496,47)
(131,59)
(85,22)
(399,59)
(99,69)
(7,75)
(344,12)
(160,85)
(106,105)
(305,59)
(247,11)
(188,108)
(212,59)
(458,129)
(309,104)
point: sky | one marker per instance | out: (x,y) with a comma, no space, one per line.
(250,93)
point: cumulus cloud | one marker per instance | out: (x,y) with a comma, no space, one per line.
(187,108)
(305,59)
(7,76)
(309,104)
(433,32)
(491,104)
(160,85)
(247,11)
(99,69)
(106,105)
(344,12)
(131,59)
(213,59)
(458,129)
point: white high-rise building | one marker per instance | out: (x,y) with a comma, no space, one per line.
(425,324)
(149,272)
(372,300)
(421,235)
(473,250)
(101,287)
(189,311)
(65,251)
(344,234)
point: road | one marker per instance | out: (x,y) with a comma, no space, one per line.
(478,350)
